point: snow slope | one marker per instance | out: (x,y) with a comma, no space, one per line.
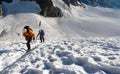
(76,21)
(83,41)
(67,56)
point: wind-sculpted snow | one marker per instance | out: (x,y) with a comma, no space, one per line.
(68,56)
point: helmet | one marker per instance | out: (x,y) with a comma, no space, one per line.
(26,27)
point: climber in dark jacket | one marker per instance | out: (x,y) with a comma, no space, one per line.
(41,34)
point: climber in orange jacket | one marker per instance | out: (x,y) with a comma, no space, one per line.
(29,35)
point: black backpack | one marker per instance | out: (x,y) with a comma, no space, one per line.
(42,32)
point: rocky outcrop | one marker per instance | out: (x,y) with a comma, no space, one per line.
(73,2)
(48,9)
(6,1)
(1,11)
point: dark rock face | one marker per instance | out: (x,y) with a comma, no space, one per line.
(73,2)
(48,9)
(51,12)
(1,11)
(5,1)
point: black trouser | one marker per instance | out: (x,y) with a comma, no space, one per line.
(42,38)
(28,39)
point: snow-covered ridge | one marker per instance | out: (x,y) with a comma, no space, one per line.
(103,3)
(76,21)
(68,56)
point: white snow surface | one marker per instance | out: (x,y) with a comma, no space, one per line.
(83,41)
(67,56)
(76,21)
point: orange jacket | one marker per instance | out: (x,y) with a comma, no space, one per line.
(29,33)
